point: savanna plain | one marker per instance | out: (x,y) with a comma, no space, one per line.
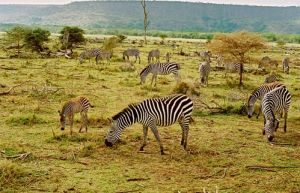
(224,147)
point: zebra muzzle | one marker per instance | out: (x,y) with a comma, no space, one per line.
(108,144)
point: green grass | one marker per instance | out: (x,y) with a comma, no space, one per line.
(220,145)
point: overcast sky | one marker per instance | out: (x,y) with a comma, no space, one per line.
(241,2)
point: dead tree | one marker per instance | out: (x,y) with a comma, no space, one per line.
(146,21)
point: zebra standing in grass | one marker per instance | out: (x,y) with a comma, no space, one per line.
(204,70)
(77,105)
(104,55)
(285,65)
(271,78)
(153,54)
(161,69)
(88,54)
(168,56)
(132,52)
(274,102)
(151,113)
(258,94)
(233,67)
(205,55)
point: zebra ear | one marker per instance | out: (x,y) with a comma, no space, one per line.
(110,120)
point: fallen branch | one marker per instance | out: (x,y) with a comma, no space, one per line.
(12,88)
(137,179)
(128,191)
(269,168)
(18,156)
(8,68)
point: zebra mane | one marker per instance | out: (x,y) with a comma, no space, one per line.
(124,111)
(144,69)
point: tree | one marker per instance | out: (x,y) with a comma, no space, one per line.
(146,21)
(111,43)
(237,45)
(35,39)
(15,38)
(71,36)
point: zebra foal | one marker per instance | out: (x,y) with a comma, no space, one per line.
(164,111)
(285,65)
(160,69)
(76,105)
(258,94)
(132,52)
(153,54)
(274,102)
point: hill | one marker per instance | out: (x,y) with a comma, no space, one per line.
(164,15)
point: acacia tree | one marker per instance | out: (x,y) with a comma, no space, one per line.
(236,45)
(16,37)
(146,21)
(71,36)
(35,39)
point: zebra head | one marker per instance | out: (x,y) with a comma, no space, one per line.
(271,126)
(113,134)
(144,74)
(62,120)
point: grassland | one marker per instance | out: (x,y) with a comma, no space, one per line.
(220,145)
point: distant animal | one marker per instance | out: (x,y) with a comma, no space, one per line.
(164,111)
(160,69)
(271,78)
(76,105)
(204,70)
(153,54)
(285,65)
(206,55)
(274,102)
(88,54)
(104,55)
(168,56)
(258,94)
(267,61)
(220,60)
(132,52)
(233,67)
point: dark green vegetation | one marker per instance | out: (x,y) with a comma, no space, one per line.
(163,15)
(222,142)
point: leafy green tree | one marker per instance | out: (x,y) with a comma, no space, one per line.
(36,38)
(15,38)
(71,36)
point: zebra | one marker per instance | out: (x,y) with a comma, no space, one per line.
(267,61)
(104,55)
(88,54)
(271,78)
(76,105)
(132,52)
(285,65)
(233,67)
(204,70)
(205,55)
(274,102)
(153,54)
(259,94)
(168,56)
(164,111)
(162,69)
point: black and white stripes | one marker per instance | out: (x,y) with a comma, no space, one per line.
(88,54)
(204,70)
(285,65)
(132,52)
(151,113)
(160,69)
(275,102)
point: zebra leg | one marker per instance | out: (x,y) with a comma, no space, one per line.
(145,131)
(155,132)
(155,80)
(259,111)
(71,119)
(139,59)
(153,76)
(285,118)
(185,130)
(263,131)
(82,121)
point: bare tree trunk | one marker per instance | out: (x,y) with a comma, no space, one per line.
(18,49)
(146,21)
(241,74)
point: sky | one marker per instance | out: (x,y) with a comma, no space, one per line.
(240,2)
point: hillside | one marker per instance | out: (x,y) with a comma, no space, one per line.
(170,16)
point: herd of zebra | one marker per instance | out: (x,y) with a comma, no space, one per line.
(164,111)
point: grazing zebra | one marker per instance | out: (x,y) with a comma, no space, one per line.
(271,78)
(132,52)
(267,61)
(161,69)
(153,54)
(88,54)
(77,105)
(164,111)
(204,70)
(104,55)
(285,65)
(233,67)
(274,102)
(258,94)
(168,56)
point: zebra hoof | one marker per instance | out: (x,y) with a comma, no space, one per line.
(162,152)
(142,148)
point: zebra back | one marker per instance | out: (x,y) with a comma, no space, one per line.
(76,105)
(131,52)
